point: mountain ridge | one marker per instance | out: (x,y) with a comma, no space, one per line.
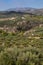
(24,10)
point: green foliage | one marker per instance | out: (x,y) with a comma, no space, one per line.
(16,49)
(25,46)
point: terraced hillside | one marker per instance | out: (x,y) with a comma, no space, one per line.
(21,40)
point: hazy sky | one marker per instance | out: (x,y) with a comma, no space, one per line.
(6,4)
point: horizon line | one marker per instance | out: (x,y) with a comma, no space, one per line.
(20,7)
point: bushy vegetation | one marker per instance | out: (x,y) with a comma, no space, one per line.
(17,49)
(25,46)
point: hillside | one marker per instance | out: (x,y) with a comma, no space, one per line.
(21,37)
(14,11)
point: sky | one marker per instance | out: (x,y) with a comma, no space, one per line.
(6,4)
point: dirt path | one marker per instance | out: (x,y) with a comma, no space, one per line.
(4,19)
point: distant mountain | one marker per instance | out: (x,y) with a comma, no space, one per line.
(24,10)
(20,9)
